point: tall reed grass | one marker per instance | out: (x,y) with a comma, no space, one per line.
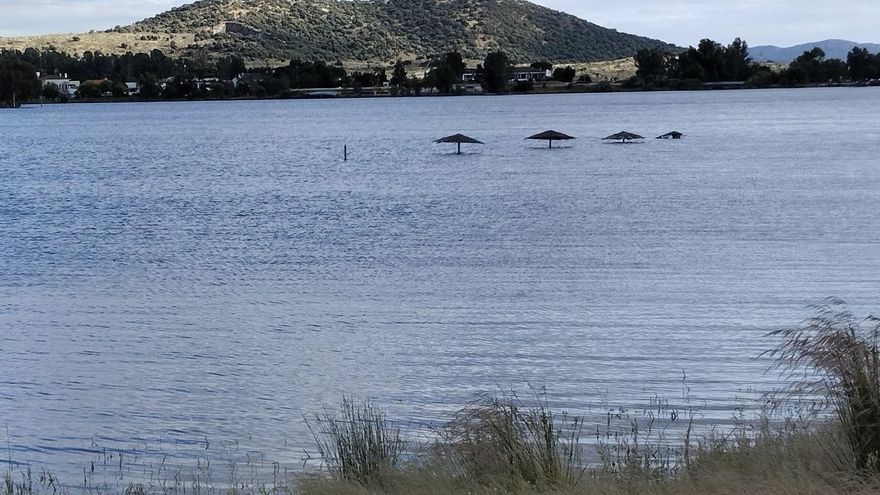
(357,443)
(835,357)
(503,441)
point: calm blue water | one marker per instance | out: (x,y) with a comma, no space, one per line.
(171,273)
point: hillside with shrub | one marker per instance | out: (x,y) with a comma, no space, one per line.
(390,29)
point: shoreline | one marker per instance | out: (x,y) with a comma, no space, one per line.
(345,94)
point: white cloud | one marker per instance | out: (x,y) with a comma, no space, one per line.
(685,22)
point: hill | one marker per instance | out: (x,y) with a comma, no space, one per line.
(832,49)
(361,30)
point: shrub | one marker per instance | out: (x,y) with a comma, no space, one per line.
(358,443)
(835,356)
(502,441)
(604,87)
(524,87)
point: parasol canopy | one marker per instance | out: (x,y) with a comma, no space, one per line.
(671,135)
(550,136)
(623,136)
(458,139)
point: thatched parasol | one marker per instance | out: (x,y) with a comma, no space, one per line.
(671,135)
(623,137)
(458,139)
(550,136)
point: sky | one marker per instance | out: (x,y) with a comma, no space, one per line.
(684,22)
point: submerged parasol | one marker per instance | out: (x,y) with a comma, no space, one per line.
(671,135)
(550,136)
(458,139)
(623,137)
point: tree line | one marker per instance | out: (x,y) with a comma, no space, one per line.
(201,76)
(711,61)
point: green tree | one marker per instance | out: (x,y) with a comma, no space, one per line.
(834,70)
(762,77)
(276,86)
(686,66)
(712,62)
(810,67)
(651,64)
(415,85)
(874,72)
(18,81)
(398,76)
(711,57)
(496,72)
(543,65)
(230,67)
(118,90)
(149,86)
(363,80)
(564,74)
(172,91)
(446,72)
(89,90)
(860,64)
(51,92)
(523,87)
(301,74)
(737,62)
(106,87)
(200,65)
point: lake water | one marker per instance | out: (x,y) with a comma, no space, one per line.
(184,276)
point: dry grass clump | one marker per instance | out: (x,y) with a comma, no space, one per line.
(502,441)
(788,458)
(834,356)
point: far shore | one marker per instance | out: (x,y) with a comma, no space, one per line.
(374,93)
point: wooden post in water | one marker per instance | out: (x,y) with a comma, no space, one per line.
(345,153)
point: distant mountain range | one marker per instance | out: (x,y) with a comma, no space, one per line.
(832,48)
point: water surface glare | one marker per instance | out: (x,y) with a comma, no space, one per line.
(183,273)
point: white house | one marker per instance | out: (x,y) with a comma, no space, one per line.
(529,74)
(205,82)
(64,84)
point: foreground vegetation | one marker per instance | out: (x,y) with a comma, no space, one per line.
(506,446)
(519,455)
(513,445)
